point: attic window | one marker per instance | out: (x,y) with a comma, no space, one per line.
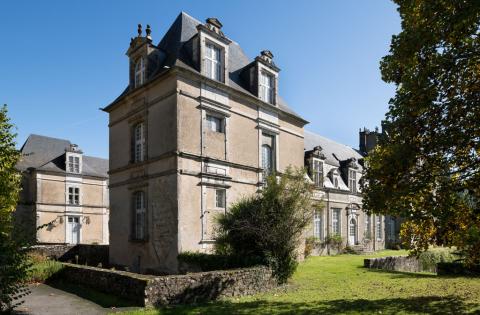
(139,72)
(213,61)
(73,164)
(266,87)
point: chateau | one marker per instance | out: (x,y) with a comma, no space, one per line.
(64,192)
(199,126)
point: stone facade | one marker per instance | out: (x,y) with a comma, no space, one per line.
(336,171)
(201,142)
(198,127)
(147,290)
(63,191)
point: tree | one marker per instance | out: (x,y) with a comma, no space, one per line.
(13,256)
(426,167)
(267,227)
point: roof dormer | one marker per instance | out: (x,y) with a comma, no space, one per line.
(213,50)
(73,159)
(145,57)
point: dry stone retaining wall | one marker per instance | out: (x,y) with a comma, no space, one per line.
(396,263)
(148,290)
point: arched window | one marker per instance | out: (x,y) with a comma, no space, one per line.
(267,159)
(139,215)
(138,142)
(139,72)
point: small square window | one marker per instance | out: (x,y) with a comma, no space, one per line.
(220,198)
(214,123)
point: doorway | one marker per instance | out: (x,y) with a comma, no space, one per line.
(73,230)
(352,232)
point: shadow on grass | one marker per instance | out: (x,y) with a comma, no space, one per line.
(401,274)
(97,297)
(415,305)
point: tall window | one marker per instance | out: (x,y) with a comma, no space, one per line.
(391,229)
(352,180)
(213,62)
(267,159)
(138,142)
(139,215)
(368,226)
(220,198)
(73,164)
(74,195)
(379,227)
(267,87)
(139,72)
(317,169)
(317,225)
(336,221)
(214,123)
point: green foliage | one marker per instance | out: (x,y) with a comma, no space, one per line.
(335,241)
(426,167)
(431,257)
(42,268)
(13,251)
(209,262)
(267,227)
(311,243)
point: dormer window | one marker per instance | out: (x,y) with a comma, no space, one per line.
(317,172)
(139,72)
(213,61)
(352,180)
(266,87)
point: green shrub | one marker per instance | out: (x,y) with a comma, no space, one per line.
(430,258)
(311,243)
(267,227)
(335,241)
(210,262)
(43,270)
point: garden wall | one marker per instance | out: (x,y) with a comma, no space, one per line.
(147,290)
(81,253)
(396,263)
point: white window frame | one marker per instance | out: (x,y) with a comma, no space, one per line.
(213,61)
(317,172)
(74,163)
(139,215)
(318,225)
(139,142)
(352,180)
(336,221)
(267,169)
(220,198)
(215,123)
(139,72)
(73,195)
(266,86)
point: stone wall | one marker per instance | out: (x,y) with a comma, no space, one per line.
(207,286)
(147,290)
(396,263)
(82,253)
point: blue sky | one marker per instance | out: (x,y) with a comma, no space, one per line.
(60,61)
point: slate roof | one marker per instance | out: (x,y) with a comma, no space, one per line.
(174,45)
(334,151)
(48,154)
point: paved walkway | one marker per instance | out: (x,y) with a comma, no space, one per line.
(44,299)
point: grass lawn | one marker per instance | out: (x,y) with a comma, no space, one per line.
(339,284)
